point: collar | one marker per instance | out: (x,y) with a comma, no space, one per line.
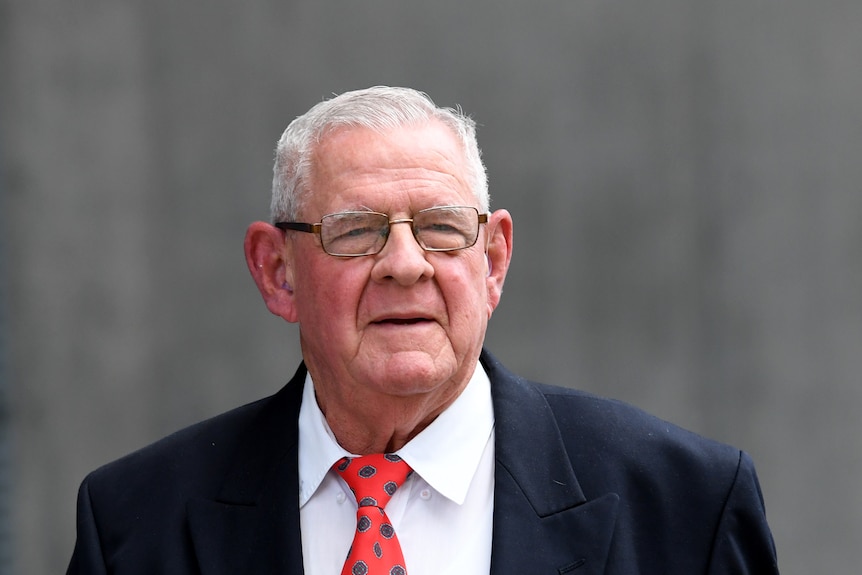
(445,454)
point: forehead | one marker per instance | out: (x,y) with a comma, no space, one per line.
(409,167)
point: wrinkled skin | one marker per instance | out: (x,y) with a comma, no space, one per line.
(390,339)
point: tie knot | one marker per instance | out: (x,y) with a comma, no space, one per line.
(373,478)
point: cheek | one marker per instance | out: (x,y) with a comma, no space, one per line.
(466,298)
(326,293)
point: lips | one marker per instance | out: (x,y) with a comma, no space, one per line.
(404,321)
(402,318)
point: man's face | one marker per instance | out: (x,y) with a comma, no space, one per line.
(404,321)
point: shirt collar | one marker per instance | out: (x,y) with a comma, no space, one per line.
(445,454)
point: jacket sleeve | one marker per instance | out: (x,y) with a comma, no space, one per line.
(743,543)
(87,557)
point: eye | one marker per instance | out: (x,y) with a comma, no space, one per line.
(357,232)
(442,223)
(442,227)
(353,232)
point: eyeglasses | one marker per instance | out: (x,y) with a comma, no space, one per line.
(351,234)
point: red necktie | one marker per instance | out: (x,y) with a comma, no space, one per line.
(373,480)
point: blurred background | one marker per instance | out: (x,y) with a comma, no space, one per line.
(684,179)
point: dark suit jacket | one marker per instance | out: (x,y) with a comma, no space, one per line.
(583,485)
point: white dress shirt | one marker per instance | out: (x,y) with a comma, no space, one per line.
(443,512)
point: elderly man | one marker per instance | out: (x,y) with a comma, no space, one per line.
(400,445)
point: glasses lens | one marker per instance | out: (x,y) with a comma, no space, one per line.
(353,233)
(447,228)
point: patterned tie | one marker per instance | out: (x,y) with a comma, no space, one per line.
(373,480)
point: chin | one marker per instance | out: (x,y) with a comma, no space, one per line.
(412,372)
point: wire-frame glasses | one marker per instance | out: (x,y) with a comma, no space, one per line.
(364,233)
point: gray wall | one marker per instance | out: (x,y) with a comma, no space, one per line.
(684,179)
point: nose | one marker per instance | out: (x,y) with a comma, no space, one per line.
(402,258)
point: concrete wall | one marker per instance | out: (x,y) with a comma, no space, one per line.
(684,179)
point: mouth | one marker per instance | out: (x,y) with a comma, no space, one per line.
(404,318)
(402,321)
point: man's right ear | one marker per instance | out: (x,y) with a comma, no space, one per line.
(268,258)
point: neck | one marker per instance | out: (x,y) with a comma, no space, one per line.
(386,423)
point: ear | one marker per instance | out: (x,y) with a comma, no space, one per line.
(499,252)
(268,256)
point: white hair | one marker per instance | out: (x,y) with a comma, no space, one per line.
(379,108)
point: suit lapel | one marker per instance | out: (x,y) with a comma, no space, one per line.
(253,526)
(543,524)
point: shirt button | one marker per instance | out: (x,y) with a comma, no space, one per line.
(425,494)
(340,497)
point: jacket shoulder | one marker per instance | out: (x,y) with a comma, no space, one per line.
(194,461)
(193,457)
(688,504)
(607,433)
